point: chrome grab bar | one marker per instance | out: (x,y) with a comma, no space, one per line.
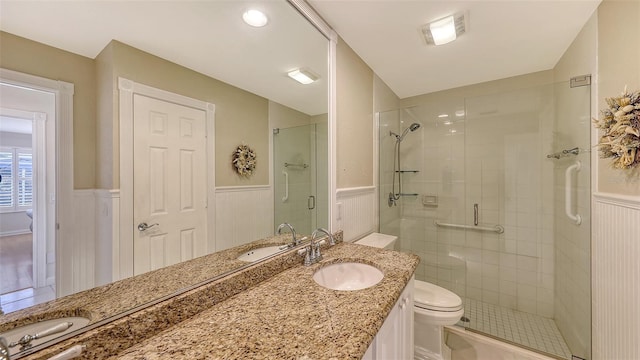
(567,152)
(496,228)
(304,166)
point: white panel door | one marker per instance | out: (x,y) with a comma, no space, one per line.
(169,161)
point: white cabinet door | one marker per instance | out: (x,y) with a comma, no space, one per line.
(370,352)
(389,338)
(406,300)
(394,341)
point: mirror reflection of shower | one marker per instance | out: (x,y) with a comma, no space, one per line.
(397,173)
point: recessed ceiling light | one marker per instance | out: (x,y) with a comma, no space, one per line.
(447,122)
(255,18)
(460,113)
(303,76)
(443,115)
(445,30)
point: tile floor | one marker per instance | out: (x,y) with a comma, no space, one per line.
(524,329)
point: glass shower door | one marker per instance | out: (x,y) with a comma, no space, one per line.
(295,154)
(530,284)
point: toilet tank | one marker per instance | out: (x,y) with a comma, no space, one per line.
(382,241)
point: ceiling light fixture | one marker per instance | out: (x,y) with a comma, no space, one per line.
(445,30)
(460,113)
(443,116)
(255,18)
(303,76)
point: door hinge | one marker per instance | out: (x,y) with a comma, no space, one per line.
(581,80)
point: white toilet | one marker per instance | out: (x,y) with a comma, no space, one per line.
(382,241)
(434,307)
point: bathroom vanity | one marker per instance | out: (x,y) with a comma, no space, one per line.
(271,309)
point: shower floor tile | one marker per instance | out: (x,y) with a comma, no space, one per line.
(521,328)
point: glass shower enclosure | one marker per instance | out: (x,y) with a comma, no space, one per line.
(300,156)
(497,206)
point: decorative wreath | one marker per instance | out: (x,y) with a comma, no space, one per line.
(620,125)
(244,160)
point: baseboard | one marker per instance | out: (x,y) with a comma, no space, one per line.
(15,232)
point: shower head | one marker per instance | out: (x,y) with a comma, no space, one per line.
(413,127)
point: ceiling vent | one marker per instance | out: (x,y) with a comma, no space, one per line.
(446,29)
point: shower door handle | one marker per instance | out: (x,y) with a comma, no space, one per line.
(311,202)
(286,186)
(568,179)
(475,214)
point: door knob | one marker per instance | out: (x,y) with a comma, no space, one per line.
(144,226)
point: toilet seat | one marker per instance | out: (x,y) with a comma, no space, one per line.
(435,298)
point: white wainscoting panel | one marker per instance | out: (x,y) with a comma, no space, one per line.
(76,245)
(616,277)
(243,213)
(107,215)
(356,209)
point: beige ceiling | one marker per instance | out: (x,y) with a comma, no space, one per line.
(505,38)
(206,36)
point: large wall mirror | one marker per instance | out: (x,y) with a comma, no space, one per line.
(197,50)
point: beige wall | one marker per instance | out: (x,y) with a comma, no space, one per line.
(354,119)
(384,99)
(618,66)
(281,116)
(107,176)
(615,271)
(241,117)
(30,57)
(580,57)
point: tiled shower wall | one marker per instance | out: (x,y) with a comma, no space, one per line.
(491,154)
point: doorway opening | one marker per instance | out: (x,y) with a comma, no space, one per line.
(27,195)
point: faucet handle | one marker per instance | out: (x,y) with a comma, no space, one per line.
(309,257)
(317,255)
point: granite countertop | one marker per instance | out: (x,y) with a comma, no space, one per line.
(271,309)
(105,301)
(289,316)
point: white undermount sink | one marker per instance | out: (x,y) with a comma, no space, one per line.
(260,253)
(348,276)
(47,330)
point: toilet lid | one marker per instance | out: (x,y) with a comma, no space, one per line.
(433,297)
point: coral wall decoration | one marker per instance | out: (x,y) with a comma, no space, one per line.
(620,129)
(244,160)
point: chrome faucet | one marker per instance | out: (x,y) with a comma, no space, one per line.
(312,251)
(332,241)
(293,233)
